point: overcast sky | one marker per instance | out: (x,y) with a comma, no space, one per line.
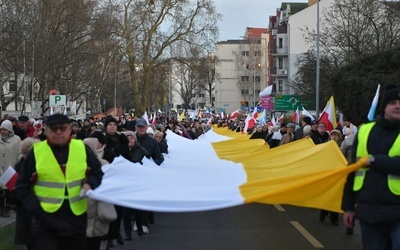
(239,14)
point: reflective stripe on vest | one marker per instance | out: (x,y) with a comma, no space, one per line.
(363,135)
(52,184)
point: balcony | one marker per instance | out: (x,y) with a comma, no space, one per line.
(280,71)
(279,50)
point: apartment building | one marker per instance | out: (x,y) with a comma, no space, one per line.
(279,47)
(240,71)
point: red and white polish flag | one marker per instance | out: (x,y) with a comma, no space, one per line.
(9,178)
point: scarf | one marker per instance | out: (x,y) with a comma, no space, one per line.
(6,138)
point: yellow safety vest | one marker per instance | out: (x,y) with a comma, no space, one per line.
(52,182)
(363,135)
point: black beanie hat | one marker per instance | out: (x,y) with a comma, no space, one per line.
(108,120)
(307,120)
(99,135)
(392,92)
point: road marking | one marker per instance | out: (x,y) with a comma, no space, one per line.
(279,208)
(307,235)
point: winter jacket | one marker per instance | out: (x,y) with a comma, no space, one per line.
(374,202)
(152,147)
(318,138)
(116,145)
(138,153)
(258,135)
(9,151)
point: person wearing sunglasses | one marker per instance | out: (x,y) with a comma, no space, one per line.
(52,182)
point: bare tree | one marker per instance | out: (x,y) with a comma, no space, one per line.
(350,30)
(151,29)
(185,83)
(77,46)
(354,28)
(207,75)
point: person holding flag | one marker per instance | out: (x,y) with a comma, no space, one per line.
(10,146)
(372,194)
(52,186)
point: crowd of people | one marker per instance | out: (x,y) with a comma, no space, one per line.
(27,144)
(372,193)
(48,196)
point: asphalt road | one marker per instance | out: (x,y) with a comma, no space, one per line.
(247,227)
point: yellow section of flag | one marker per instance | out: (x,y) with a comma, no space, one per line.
(298,173)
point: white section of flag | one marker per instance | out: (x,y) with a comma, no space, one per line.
(204,183)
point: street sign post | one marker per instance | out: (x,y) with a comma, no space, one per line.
(287,102)
(58,101)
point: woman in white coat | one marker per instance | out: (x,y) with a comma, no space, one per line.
(10,148)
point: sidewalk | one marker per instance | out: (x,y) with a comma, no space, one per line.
(7,220)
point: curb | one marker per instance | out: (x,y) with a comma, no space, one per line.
(7,221)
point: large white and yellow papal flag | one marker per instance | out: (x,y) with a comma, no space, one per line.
(223,169)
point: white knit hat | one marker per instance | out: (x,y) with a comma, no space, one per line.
(307,129)
(6,124)
(150,131)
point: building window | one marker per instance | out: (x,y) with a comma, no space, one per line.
(13,86)
(257,53)
(193,95)
(280,43)
(245,78)
(245,91)
(280,86)
(280,63)
(201,95)
(257,79)
(245,53)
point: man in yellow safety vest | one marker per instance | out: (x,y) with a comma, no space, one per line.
(372,193)
(55,174)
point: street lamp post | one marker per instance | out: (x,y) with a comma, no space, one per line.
(115,88)
(317,69)
(254,82)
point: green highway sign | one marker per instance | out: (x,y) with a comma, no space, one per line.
(287,102)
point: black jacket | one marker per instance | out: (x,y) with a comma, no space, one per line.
(137,153)
(63,221)
(116,145)
(163,146)
(21,133)
(375,203)
(318,138)
(258,135)
(152,147)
